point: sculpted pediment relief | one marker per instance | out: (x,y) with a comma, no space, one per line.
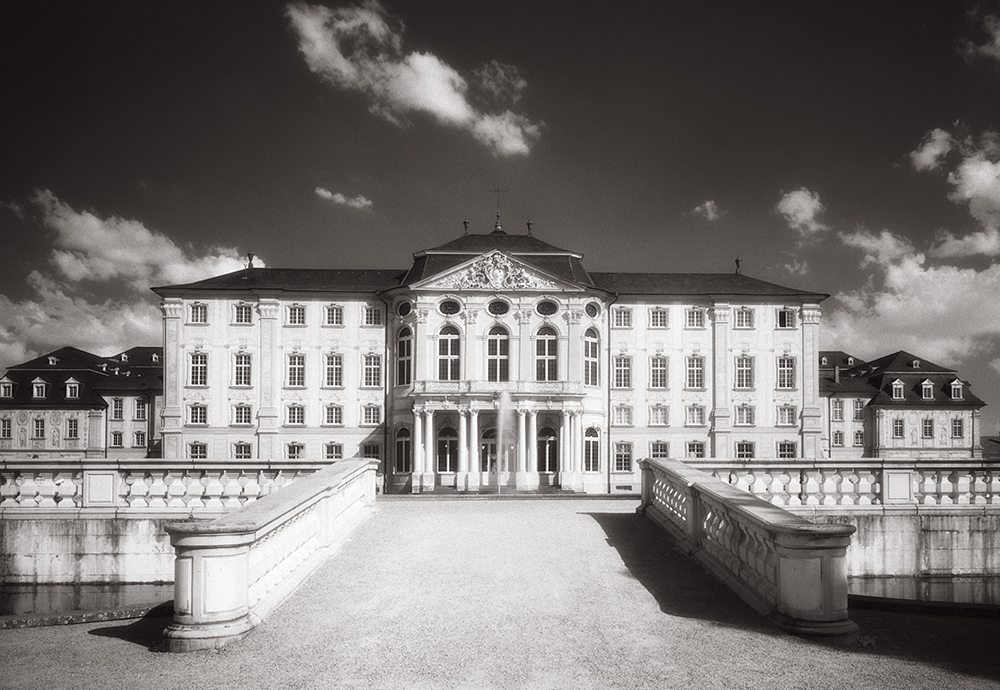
(498,272)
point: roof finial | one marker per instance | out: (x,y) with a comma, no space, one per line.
(250,259)
(465,224)
(738,262)
(529,228)
(497,228)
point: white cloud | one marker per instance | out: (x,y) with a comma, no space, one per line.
(361,49)
(982,243)
(882,248)
(977,181)
(93,257)
(798,267)
(935,146)
(991,48)
(708,210)
(800,209)
(358,202)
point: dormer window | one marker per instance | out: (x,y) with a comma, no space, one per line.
(915,364)
(53,361)
(927,390)
(850,361)
(156,358)
(124,358)
(897,390)
(6,389)
(957,390)
(38,390)
(823,361)
(72,390)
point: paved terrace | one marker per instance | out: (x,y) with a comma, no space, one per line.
(467,593)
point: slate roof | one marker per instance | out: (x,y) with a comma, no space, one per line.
(694,284)
(295,280)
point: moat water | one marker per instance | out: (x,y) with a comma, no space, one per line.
(957,589)
(23,600)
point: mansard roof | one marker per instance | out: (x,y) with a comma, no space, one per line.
(295,280)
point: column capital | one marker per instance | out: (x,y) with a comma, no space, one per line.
(172,308)
(811,314)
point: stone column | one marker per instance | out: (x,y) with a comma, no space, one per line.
(474,463)
(271,374)
(418,449)
(462,480)
(174,370)
(812,423)
(578,445)
(532,462)
(722,360)
(977,448)
(427,480)
(521,478)
(566,452)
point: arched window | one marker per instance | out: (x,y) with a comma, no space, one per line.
(449,349)
(591,359)
(548,450)
(591,451)
(447,450)
(546,363)
(498,354)
(404,357)
(403,450)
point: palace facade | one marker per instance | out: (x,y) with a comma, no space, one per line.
(495,360)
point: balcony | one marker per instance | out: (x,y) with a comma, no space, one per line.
(489,388)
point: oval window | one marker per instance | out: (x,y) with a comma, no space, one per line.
(498,307)
(449,307)
(547,308)
(404,308)
(593,310)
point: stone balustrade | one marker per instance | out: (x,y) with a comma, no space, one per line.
(231,572)
(862,482)
(781,564)
(143,484)
(491,387)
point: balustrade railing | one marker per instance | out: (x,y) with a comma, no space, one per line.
(863,482)
(784,566)
(491,387)
(162,485)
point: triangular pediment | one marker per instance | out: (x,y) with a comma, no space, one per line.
(496,271)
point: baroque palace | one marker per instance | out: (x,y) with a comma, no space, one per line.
(494,361)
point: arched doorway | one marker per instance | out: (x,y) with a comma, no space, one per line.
(447,452)
(548,455)
(495,467)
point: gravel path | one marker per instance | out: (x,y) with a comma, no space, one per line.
(512,594)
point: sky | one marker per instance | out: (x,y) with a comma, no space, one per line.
(845,148)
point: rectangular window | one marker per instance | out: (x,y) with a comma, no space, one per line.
(787,450)
(957,427)
(695,449)
(694,415)
(242,414)
(897,390)
(72,428)
(333,451)
(659,450)
(371,415)
(296,315)
(859,437)
(243,314)
(786,372)
(296,414)
(897,428)
(623,457)
(928,428)
(6,390)
(295,451)
(927,391)
(694,318)
(621,317)
(242,370)
(334,415)
(296,370)
(372,370)
(859,410)
(695,378)
(199,369)
(838,438)
(658,372)
(744,372)
(117,409)
(334,315)
(787,415)
(334,371)
(116,439)
(591,359)
(5,431)
(198,451)
(956,391)
(623,415)
(658,318)
(72,390)
(623,372)
(242,451)
(372,316)
(744,318)
(591,451)
(139,439)
(659,415)
(744,450)
(786,318)
(38,428)
(745,415)
(198,414)
(838,410)
(372,451)
(199,313)
(140,410)
(38,390)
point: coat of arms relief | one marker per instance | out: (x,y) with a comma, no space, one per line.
(496,272)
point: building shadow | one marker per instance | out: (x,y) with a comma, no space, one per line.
(146,631)
(963,645)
